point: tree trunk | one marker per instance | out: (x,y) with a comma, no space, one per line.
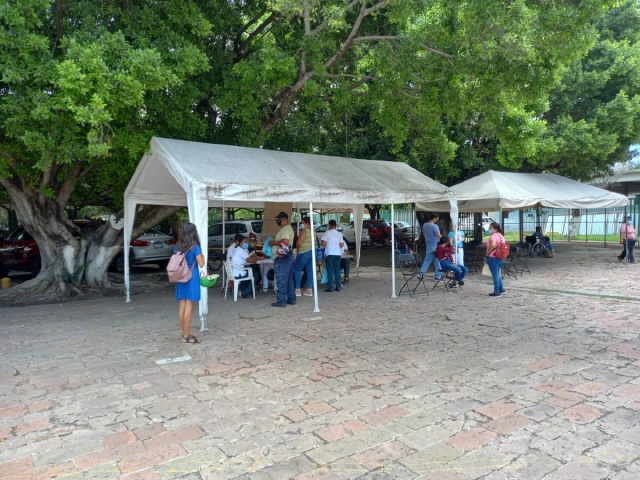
(374,210)
(107,241)
(60,243)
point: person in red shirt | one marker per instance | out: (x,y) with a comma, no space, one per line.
(445,253)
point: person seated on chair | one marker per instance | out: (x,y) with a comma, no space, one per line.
(549,245)
(445,253)
(241,256)
(237,240)
(344,263)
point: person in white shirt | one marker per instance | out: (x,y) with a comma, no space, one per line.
(240,257)
(332,241)
(236,243)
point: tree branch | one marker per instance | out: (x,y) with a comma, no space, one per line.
(259,29)
(322,25)
(347,43)
(438,52)
(376,38)
(307,18)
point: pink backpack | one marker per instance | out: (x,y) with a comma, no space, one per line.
(178,268)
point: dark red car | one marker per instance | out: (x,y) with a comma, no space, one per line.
(19,251)
(377,230)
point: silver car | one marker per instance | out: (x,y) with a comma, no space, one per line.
(252,229)
(151,247)
(405,231)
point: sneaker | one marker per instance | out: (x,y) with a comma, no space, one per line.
(452,285)
(328,290)
(437,279)
(494,295)
(289,302)
(276,304)
(244,295)
(308,293)
(337,290)
(298,292)
(461,283)
(346,280)
(265,290)
(503,292)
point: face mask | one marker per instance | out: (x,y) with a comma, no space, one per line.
(491,230)
(279,222)
(245,246)
(629,222)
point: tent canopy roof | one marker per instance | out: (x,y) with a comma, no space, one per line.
(493,191)
(252,176)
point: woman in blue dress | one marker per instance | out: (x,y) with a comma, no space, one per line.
(188,293)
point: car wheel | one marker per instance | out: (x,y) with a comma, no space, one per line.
(214,262)
(35,266)
(118,263)
(162,264)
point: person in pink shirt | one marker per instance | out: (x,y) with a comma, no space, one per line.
(628,240)
(495,263)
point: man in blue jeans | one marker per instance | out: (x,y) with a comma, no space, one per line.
(431,237)
(283,263)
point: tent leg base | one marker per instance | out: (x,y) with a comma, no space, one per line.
(203,323)
(316,310)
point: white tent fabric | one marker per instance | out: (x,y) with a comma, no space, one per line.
(493,191)
(200,175)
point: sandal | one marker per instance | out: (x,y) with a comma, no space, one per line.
(189,339)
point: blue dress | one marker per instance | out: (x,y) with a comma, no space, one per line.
(191,289)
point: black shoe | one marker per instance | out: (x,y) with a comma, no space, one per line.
(502,292)
(461,283)
(276,304)
(452,285)
(245,295)
(328,290)
(337,290)
(289,302)
(494,295)
(346,280)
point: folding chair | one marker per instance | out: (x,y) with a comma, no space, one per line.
(522,254)
(508,267)
(409,271)
(228,269)
(447,277)
(471,259)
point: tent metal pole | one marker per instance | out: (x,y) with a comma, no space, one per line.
(393,253)
(316,309)
(606,230)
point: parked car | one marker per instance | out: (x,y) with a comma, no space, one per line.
(403,231)
(151,247)
(20,252)
(377,230)
(251,228)
(348,233)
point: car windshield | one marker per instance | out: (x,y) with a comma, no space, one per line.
(257,227)
(378,224)
(215,230)
(154,233)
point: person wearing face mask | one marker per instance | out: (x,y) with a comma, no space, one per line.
(240,257)
(627,240)
(237,240)
(283,265)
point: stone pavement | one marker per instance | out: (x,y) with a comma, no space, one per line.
(544,383)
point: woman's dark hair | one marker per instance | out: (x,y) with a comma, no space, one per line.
(496,227)
(306,220)
(188,237)
(443,240)
(238,237)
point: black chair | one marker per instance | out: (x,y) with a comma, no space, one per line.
(410,273)
(509,267)
(471,259)
(521,257)
(447,280)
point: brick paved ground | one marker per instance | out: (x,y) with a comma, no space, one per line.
(544,383)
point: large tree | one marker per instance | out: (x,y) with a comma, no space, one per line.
(89,83)
(74,77)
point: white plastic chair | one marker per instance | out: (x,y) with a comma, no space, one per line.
(228,270)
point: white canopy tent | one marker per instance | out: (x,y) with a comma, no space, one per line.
(200,176)
(493,191)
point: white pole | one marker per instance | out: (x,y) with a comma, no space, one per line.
(393,254)
(316,309)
